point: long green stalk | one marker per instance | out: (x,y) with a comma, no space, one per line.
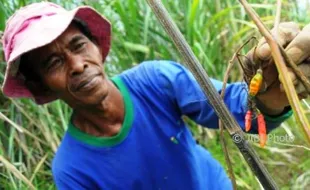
(11,168)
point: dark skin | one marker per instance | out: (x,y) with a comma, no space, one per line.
(70,68)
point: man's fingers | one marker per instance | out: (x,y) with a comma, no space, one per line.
(292,76)
(286,33)
(299,49)
(263,52)
(300,89)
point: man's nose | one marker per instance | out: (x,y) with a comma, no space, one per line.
(77,65)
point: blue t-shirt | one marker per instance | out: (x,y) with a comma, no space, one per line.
(154,148)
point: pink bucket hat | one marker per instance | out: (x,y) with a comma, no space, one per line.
(37,25)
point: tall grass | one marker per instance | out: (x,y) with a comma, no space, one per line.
(30,134)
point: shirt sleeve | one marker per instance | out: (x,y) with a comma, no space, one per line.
(184,92)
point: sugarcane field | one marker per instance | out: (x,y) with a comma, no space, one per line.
(154,94)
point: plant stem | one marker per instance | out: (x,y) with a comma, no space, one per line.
(278,17)
(11,168)
(223,142)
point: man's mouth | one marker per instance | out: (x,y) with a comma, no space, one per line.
(86,84)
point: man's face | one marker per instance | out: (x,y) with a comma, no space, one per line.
(71,68)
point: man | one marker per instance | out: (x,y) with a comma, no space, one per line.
(127,132)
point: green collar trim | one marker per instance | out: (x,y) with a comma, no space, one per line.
(280,118)
(127,124)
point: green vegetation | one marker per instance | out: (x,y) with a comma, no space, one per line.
(213,28)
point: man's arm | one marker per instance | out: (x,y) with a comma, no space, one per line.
(184,92)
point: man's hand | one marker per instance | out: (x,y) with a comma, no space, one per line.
(272,100)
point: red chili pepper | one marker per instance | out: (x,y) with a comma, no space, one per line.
(261,129)
(248,120)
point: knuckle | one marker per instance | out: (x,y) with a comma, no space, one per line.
(288,33)
(292,25)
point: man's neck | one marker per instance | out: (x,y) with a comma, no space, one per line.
(104,119)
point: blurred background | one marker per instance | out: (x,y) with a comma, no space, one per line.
(30,134)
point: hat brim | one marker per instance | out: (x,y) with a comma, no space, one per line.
(43,32)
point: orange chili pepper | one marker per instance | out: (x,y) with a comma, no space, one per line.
(261,129)
(256,83)
(248,120)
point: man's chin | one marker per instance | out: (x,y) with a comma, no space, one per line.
(88,100)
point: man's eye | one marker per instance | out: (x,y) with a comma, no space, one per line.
(79,46)
(54,63)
